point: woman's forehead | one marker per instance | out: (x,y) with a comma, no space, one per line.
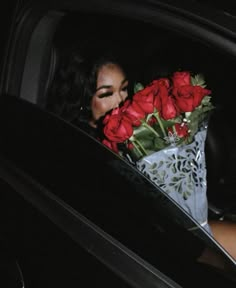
(110,72)
(110,66)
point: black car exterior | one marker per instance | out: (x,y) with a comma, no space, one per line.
(72,212)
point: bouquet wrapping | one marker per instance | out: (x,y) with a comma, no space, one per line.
(181,172)
(162,131)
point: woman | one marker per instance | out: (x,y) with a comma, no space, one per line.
(83,93)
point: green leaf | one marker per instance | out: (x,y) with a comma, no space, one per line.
(198,80)
(135,154)
(137,87)
(158,144)
(206,101)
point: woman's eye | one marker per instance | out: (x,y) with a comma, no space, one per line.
(125,88)
(107,94)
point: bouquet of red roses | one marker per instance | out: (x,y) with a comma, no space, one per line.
(162,130)
(168,111)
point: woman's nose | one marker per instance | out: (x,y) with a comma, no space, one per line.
(119,99)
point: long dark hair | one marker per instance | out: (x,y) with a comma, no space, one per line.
(75,84)
(67,89)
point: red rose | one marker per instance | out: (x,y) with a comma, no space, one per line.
(115,111)
(181,129)
(148,98)
(169,109)
(152,121)
(189,97)
(161,82)
(111,145)
(118,129)
(133,112)
(199,93)
(130,146)
(181,78)
(163,102)
(162,87)
(144,98)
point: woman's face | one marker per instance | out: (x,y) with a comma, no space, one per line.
(112,89)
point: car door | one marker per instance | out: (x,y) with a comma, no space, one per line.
(11,273)
(45,170)
(54,243)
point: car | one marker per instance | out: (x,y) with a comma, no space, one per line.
(73,213)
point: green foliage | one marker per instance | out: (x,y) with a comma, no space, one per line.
(198,80)
(137,87)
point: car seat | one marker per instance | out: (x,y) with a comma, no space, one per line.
(41,61)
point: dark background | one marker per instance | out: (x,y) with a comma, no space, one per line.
(7,10)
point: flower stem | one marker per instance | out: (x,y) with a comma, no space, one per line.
(156,114)
(151,129)
(143,152)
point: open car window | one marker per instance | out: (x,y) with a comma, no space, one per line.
(164,49)
(166,46)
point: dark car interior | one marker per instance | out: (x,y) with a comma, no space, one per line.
(148,49)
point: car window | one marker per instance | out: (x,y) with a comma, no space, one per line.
(162,50)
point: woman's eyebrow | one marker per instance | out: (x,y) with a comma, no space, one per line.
(125,80)
(109,86)
(103,86)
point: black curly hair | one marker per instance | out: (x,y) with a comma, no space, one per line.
(65,94)
(75,83)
